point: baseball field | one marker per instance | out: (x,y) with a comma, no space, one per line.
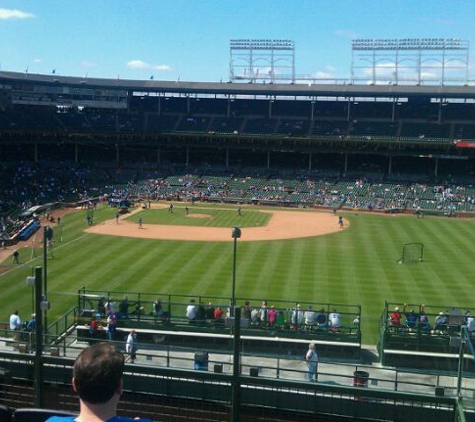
(297,255)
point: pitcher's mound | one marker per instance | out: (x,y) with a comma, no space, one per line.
(208,217)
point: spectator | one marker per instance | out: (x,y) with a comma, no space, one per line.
(263,314)
(470,323)
(321,319)
(440,321)
(280,320)
(131,346)
(159,312)
(411,317)
(423,319)
(124,308)
(311,358)
(15,325)
(255,317)
(246,310)
(296,317)
(191,311)
(210,311)
(334,320)
(395,317)
(272,315)
(97,379)
(31,324)
(218,314)
(111,326)
(309,318)
(93,327)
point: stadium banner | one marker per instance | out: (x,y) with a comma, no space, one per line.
(465,144)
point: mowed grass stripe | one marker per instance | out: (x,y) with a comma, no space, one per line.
(268,284)
(435,257)
(355,266)
(298,269)
(254,266)
(201,277)
(286,276)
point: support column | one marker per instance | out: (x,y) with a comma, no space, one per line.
(227,157)
(38,381)
(346,162)
(159,160)
(187,156)
(117,154)
(268,159)
(436,169)
(390,165)
(236,380)
(309,161)
(36,152)
(76,153)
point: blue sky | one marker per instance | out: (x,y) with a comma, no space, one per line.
(189,39)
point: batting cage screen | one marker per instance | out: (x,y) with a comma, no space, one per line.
(412,253)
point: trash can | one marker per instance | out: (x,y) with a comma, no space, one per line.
(201,361)
(253,371)
(360,379)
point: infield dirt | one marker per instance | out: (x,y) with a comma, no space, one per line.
(282,225)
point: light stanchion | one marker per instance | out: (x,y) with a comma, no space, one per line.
(236,234)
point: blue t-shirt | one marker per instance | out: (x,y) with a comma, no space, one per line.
(114,419)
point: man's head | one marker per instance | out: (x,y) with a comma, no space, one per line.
(97,373)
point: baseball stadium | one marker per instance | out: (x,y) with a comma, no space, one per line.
(230,224)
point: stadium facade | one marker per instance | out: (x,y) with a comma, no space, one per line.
(376,130)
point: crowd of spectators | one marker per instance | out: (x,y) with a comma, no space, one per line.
(27,184)
(265,316)
(411,319)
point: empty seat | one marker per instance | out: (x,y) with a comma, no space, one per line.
(6,414)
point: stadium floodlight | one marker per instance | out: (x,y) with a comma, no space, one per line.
(262,59)
(410,59)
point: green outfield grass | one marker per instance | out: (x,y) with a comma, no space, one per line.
(354,266)
(211,217)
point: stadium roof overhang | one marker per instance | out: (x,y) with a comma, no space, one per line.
(248,89)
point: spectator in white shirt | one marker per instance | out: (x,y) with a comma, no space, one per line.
(334,321)
(191,311)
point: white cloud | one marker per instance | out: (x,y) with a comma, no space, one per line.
(323,75)
(140,64)
(14,14)
(162,67)
(37,60)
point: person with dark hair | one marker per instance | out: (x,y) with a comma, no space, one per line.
(97,379)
